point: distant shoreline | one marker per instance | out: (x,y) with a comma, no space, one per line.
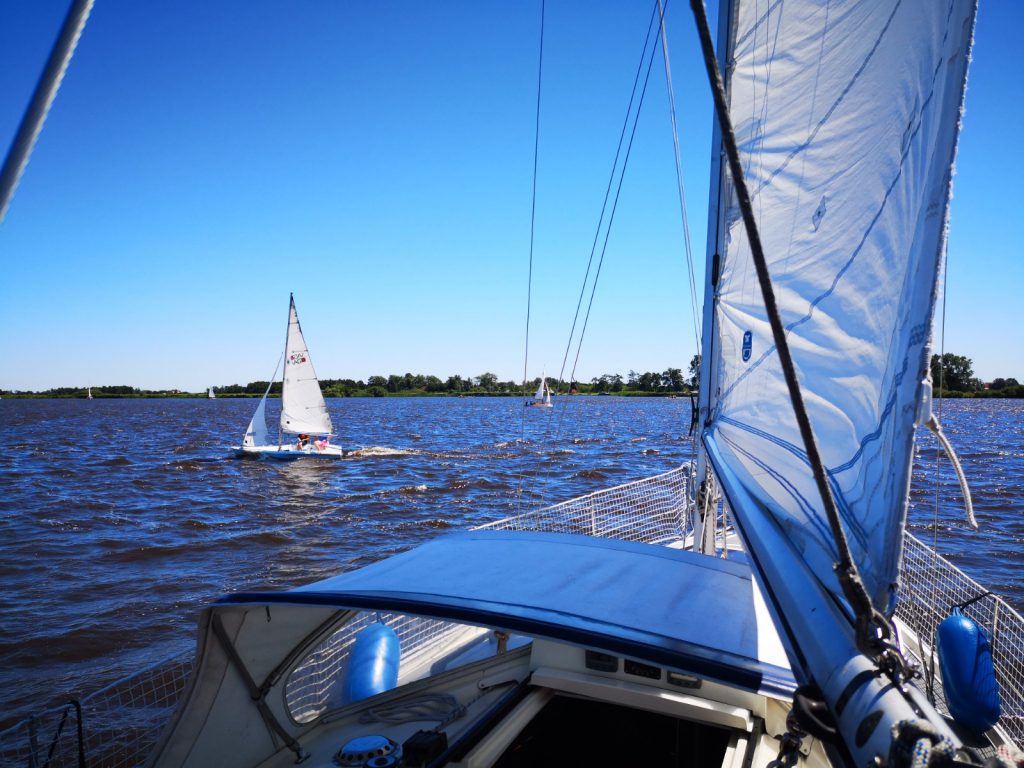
(277,395)
(1013,393)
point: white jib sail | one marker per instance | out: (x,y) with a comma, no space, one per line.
(303,409)
(847,121)
(256,433)
(539,394)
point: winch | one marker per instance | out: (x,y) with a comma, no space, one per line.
(371,751)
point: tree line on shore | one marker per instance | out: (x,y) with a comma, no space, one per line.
(668,382)
(952,376)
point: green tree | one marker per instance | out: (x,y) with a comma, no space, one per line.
(953,372)
(694,380)
(672,380)
(1002,383)
(487,381)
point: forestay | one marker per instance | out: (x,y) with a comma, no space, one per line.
(847,120)
(303,409)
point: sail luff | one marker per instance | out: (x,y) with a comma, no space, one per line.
(303,409)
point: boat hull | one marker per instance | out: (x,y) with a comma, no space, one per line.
(289,452)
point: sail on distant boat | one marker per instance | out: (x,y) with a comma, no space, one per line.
(88,393)
(542,397)
(304,417)
(209,393)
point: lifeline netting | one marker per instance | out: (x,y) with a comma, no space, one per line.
(651,511)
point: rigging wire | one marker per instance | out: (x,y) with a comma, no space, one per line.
(533,220)
(942,382)
(679,179)
(615,204)
(607,195)
(635,116)
(42,98)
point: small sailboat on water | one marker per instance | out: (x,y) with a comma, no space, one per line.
(304,417)
(209,393)
(542,397)
(88,393)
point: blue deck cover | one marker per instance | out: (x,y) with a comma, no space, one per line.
(667,606)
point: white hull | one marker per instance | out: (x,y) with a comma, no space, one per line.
(289,451)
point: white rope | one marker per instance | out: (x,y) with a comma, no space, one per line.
(936,428)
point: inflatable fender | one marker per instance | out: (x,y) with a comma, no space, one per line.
(968,674)
(373,664)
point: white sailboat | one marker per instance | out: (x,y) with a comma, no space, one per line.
(88,393)
(542,397)
(209,393)
(305,427)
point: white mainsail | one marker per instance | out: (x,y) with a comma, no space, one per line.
(303,409)
(847,122)
(209,393)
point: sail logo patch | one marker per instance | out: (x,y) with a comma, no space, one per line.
(297,357)
(748,344)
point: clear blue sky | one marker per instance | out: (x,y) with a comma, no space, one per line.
(205,158)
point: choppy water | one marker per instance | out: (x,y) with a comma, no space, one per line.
(120,519)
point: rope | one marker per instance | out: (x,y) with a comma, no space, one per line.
(439,707)
(871,624)
(936,429)
(921,745)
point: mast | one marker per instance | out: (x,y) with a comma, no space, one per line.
(284,360)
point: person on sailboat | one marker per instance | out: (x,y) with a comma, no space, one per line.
(303,441)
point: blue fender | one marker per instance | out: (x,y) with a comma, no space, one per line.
(373,663)
(968,674)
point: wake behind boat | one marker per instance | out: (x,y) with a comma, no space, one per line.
(304,416)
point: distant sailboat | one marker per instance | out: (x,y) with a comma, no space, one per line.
(303,410)
(209,393)
(88,393)
(542,397)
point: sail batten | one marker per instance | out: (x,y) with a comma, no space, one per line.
(847,142)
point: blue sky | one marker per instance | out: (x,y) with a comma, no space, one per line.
(203,159)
